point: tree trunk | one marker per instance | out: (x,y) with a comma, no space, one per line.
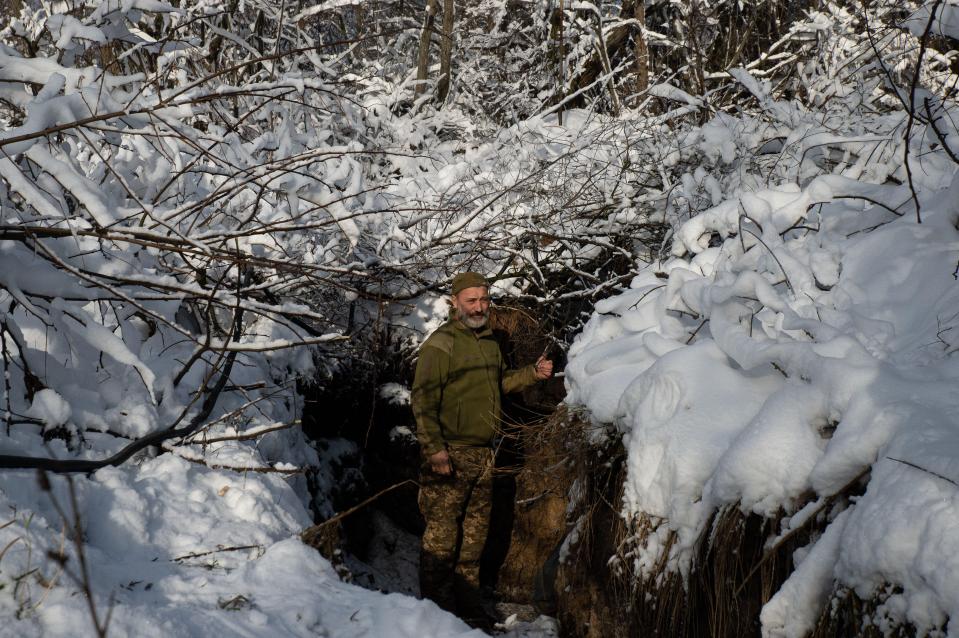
(640,49)
(446,52)
(593,69)
(607,67)
(423,59)
(695,21)
(557,34)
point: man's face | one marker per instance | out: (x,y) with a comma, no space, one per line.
(472,306)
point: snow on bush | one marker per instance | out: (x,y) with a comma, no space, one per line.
(743,412)
(801,336)
(198,203)
(171,208)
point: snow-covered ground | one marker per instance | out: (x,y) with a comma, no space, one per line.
(174,548)
(177,548)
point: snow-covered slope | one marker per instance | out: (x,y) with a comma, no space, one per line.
(178,549)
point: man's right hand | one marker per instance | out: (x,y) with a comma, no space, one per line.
(440,463)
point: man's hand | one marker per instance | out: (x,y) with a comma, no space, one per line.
(544,368)
(440,463)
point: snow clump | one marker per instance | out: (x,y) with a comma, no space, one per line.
(798,340)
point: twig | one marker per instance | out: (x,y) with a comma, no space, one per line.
(923,44)
(310,533)
(7,413)
(3,552)
(238,548)
(874,202)
(922,469)
(83,465)
(245,436)
(770,250)
(939,134)
(645,294)
(696,331)
(242,469)
(76,527)
(809,519)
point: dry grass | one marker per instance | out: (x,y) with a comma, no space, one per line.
(721,598)
(543,484)
(736,570)
(848,615)
(736,567)
(594,591)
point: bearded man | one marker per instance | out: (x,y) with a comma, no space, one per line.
(456,400)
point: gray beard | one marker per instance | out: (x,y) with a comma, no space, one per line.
(475,322)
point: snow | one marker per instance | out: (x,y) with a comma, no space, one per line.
(672,454)
(946,20)
(670,92)
(791,363)
(178,548)
(395,394)
(49,407)
(67,28)
(83,189)
(791,613)
(794,331)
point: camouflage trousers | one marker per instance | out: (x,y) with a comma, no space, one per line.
(457,511)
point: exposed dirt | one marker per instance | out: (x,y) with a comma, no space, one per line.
(539,525)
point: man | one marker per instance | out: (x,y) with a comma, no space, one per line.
(456,400)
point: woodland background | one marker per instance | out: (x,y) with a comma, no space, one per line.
(226,226)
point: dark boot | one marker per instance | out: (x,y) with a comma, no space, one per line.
(436,581)
(473,605)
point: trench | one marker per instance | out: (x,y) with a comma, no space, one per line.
(360,418)
(557,558)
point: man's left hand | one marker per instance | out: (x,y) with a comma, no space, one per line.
(544,369)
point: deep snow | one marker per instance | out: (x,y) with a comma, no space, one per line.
(755,369)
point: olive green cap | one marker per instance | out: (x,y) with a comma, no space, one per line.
(466,280)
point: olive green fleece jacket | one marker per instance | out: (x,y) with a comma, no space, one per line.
(456,391)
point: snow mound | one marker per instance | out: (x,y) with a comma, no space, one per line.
(175,548)
(798,339)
